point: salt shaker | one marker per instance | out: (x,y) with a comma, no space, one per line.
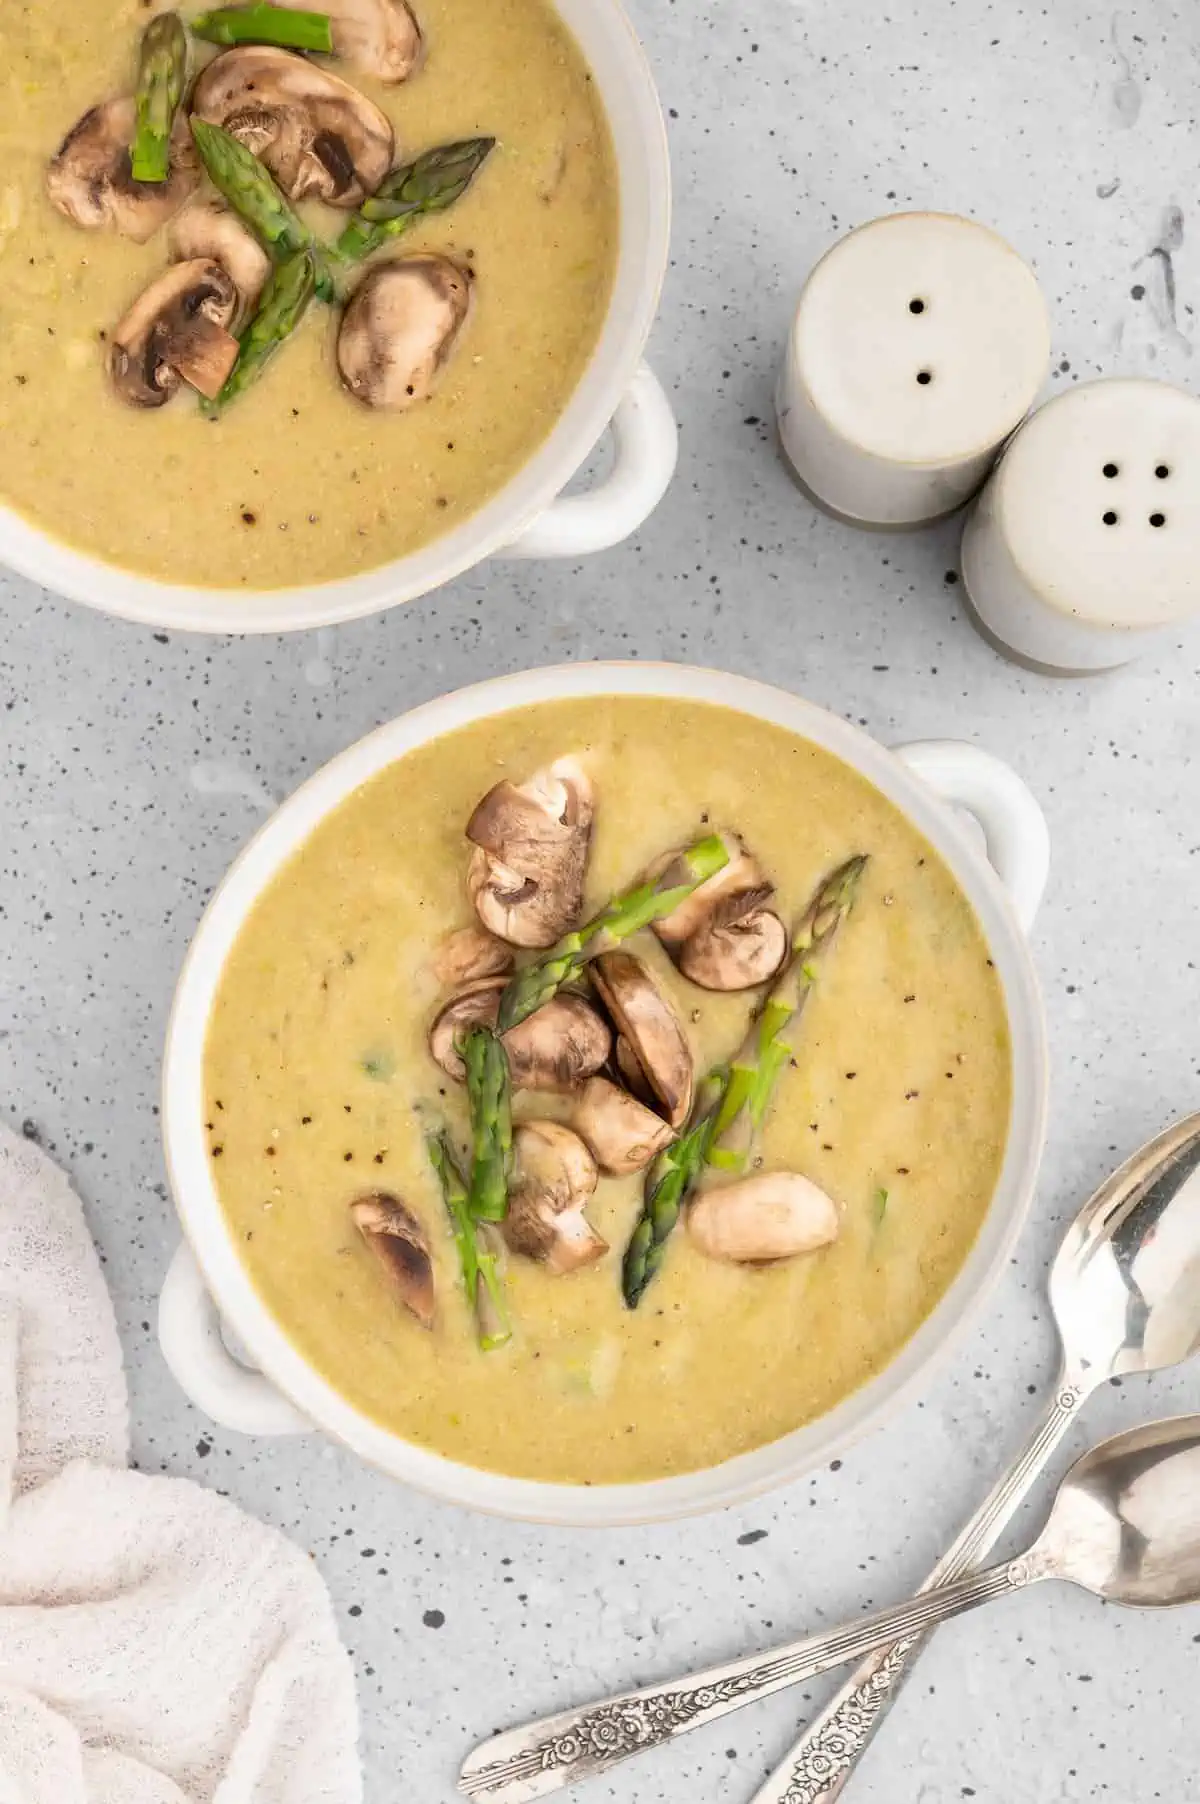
(1084,548)
(918,344)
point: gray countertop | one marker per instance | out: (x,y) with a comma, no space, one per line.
(134,764)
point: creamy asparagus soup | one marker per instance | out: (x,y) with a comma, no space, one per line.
(754,1139)
(351,297)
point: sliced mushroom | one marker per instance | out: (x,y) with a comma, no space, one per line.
(651,1036)
(317,135)
(772,1215)
(90,178)
(400,1244)
(532,841)
(399,327)
(554,1174)
(380,36)
(470,954)
(623,1134)
(177,330)
(207,228)
(722,937)
(737,954)
(555,1048)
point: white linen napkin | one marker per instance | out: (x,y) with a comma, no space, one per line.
(157,1646)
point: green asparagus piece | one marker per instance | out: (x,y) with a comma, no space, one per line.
(162,77)
(251,191)
(771,1040)
(489,1093)
(729,1110)
(285,300)
(476,1257)
(670,1178)
(429,185)
(277,25)
(624,915)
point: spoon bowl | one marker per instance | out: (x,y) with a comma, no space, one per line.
(1125,1286)
(1126,1522)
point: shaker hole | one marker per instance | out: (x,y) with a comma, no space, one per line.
(924,377)
(1158,519)
(916,305)
(1162,471)
(1111,470)
(1110,519)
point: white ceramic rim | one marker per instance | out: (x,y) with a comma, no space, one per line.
(746,1475)
(618,64)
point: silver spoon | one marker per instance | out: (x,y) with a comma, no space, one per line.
(1125,1526)
(1125,1293)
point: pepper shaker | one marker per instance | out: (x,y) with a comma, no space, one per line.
(1084,548)
(918,344)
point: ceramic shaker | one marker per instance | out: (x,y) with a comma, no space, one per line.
(1084,548)
(918,344)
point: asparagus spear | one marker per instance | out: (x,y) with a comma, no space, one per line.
(489,1093)
(476,1257)
(162,77)
(285,300)
(670,1178)
(250,189)
(429,185)
(622,916)
(263,24)
(729,1110)
(771,1040)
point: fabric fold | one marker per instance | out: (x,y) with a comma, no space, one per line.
(157,1645)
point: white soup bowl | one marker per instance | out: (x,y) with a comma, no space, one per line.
(209,1302)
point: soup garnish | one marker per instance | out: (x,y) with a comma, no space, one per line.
(270,128)
(620,1052)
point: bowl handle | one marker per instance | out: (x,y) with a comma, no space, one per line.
(1014,827)
(646,443)
(189,1333)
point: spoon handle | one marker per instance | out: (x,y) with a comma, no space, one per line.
(527,1763)
(822,1761)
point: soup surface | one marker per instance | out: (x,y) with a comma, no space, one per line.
(897,1104)
(297,482)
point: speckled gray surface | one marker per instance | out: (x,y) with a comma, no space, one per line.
(135,764)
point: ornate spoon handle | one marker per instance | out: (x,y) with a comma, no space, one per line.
(527,1763)
(822,1762)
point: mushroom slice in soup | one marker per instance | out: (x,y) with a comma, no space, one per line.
(651,1039)
(735,954)
(757,1220)
(90,177)
(400,1244)
(208,228)
(177,330)
(554,1174)
(381,37)
(532,841)
(399,327)
(721,936)
(555,1048)
(318,136)
(469,954)
(622,1133)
